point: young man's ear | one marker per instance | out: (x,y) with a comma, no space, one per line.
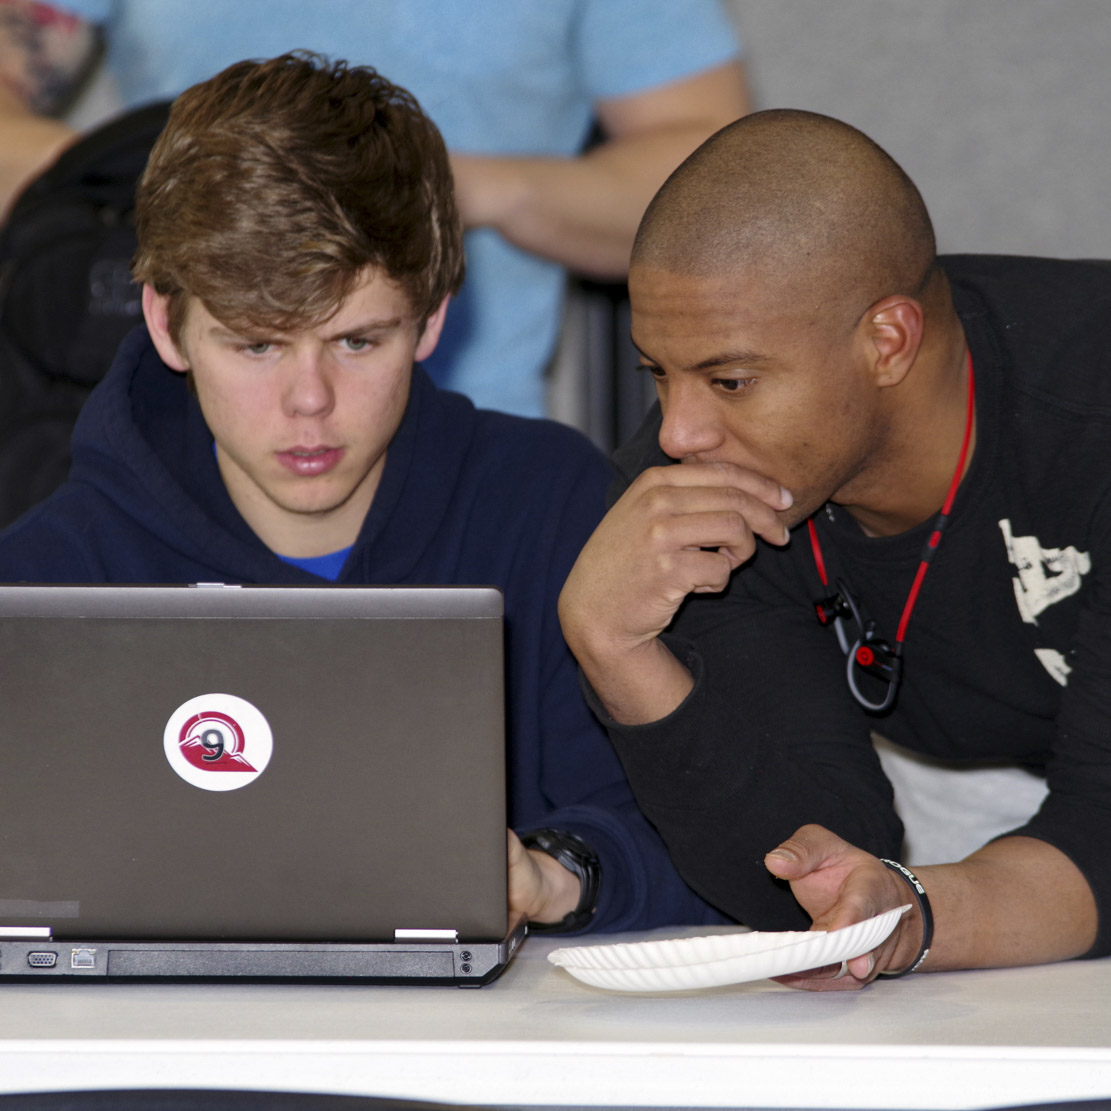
(430,336)
(156,312)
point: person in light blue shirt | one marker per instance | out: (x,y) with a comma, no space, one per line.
(514,86)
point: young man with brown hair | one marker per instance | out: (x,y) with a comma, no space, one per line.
(298,245)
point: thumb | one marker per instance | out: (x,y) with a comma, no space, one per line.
(806,850)
(516,851)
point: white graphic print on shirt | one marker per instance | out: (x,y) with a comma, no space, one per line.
(1045,576)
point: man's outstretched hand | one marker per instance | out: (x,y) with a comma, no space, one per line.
(839,885)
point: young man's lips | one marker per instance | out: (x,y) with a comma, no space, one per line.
(308,462)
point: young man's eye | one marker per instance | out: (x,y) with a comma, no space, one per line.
(650,368)
(259,347)
(356,343)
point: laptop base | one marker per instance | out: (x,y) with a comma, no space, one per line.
(463,964)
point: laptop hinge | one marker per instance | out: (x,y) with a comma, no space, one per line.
(426,935)
(37,932)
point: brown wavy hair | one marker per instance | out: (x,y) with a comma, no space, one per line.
(277,183)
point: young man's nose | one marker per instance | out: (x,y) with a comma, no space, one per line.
(309,390)
(690,422)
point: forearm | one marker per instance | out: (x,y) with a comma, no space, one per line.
(1016,901)
(582,212)
(635,684)
(725,777)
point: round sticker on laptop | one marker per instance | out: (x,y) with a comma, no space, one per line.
(218,742)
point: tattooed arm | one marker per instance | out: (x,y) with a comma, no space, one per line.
(44,56)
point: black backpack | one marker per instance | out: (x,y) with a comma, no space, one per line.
(66,298)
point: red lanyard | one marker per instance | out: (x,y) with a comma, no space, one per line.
(934,541)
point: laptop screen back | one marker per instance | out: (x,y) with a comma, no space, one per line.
(252,763)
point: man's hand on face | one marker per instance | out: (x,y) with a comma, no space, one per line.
(676,530)
(839,885)
(539,886)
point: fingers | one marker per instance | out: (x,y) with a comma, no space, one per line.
(846,976)
(715,511)
(724,474)
(849,975)
(676,530)
(682,492)
(862,968)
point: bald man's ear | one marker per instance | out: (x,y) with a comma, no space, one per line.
(156,312)
(894,329)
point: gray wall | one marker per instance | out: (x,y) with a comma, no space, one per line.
(1000,110)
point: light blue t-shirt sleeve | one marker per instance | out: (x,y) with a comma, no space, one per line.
(627,46)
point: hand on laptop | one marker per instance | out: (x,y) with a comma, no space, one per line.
(539,886)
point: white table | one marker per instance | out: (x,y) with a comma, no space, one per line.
(538,1037)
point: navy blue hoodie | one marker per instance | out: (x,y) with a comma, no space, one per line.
(467,496)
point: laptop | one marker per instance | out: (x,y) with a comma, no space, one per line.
(255,782)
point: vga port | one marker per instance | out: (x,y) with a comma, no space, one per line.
(42,959)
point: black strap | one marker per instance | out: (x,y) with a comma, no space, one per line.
(927,918)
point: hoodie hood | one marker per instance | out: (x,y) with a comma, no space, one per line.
(142,442)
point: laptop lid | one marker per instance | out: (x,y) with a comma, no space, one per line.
(245,764)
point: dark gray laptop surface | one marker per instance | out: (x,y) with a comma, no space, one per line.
(215,781)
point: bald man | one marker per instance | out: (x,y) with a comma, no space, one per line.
(891,510)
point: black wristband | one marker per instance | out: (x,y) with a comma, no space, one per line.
(927,918)
(577,857)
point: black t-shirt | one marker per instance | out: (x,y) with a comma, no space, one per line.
(1007,654)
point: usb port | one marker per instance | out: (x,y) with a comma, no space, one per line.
(82,958)
(42,960)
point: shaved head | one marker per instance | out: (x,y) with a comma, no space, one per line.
(805,202)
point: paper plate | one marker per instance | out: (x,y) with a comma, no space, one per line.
(678,964)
